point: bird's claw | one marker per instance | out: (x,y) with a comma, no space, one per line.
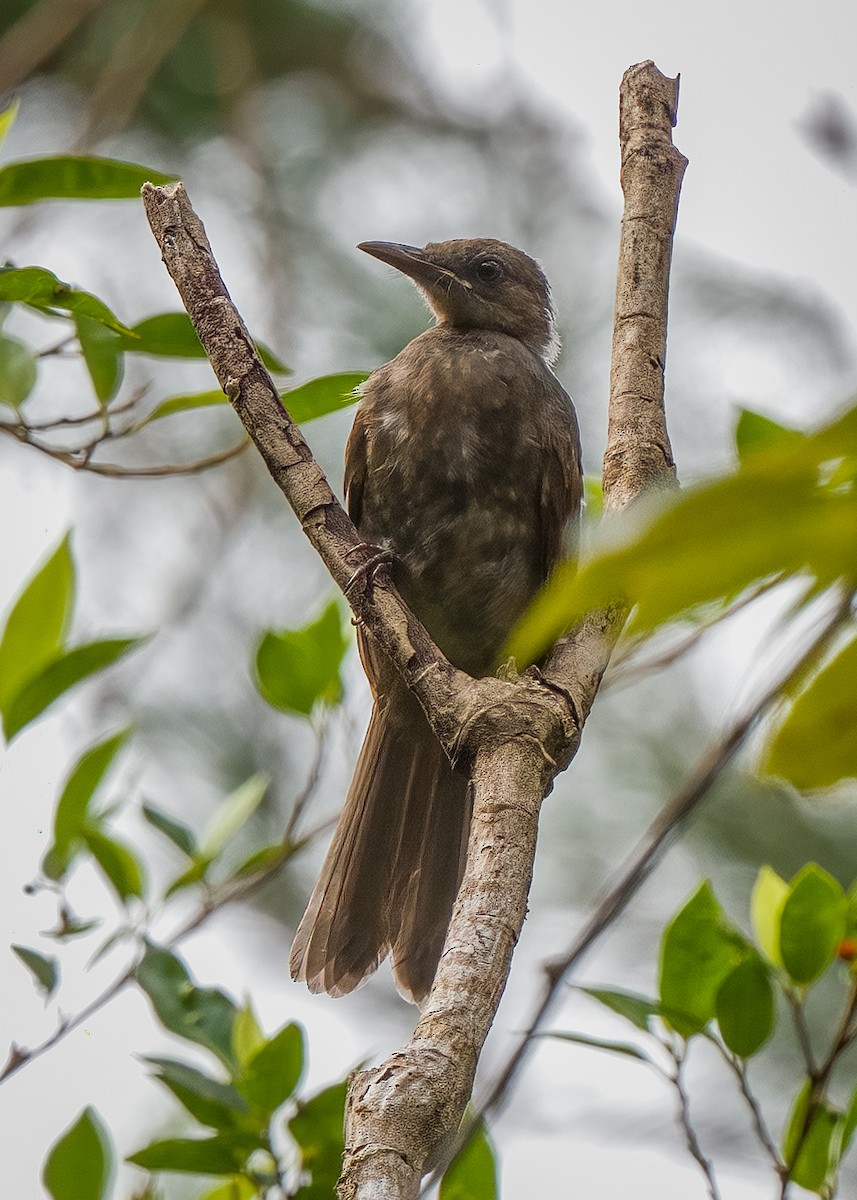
(378,558)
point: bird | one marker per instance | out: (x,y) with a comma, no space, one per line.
(463,468)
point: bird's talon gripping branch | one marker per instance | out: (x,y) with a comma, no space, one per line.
(369,568)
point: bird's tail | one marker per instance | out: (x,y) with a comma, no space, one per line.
(393,869)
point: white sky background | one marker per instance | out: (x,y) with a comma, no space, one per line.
(754,193)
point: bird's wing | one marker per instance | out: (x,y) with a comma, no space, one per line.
(561,490)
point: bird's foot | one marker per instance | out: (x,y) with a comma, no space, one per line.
(379,557)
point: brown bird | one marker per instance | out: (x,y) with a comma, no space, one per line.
(464,465)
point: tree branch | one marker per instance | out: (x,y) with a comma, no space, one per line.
(513,736)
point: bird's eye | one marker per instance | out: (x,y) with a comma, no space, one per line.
(489,269)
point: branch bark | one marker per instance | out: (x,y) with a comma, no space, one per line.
(513,736)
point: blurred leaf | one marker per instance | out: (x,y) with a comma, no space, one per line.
(239,1188)
(810,1149)
(815,746)
(472,1175)
(18,370)
(7,118)
(636,1009)
(212,1103)
(812,924)
(247,1036)
(117,862)
(593,496)
(38,623)
(275,1070)
(44,969)
(262,860)
(329,393)
(172,335)
(42,290)
(745,1007)
(201,1015)
(797,1121)
(850,1122)
(72,808)
(79,1165)
(317,1129)
(100,349)
(73,177)
(177,832)
(754,432)
(298,668)
(222,1154)
(776,516)
(699,948)
(596,1043)
(232,814)
(58,676)
(196,872)
(766,909)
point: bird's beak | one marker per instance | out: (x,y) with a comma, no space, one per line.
(410,260)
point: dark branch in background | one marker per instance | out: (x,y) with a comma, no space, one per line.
(513,736)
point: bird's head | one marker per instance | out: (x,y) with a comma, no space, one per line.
(480,283)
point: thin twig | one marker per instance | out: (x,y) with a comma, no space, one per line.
(690,1136)
(739,1070)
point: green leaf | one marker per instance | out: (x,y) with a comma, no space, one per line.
(37,625)
(177,404)
(699,948)
(812,924)
(472,1175)
(222,1154)
(636,1009)
(766,909)
(596,1043)
(73,177)
(45,969)
(72,812)
(778,515)
(755,432)
(212,1103)
(815,746)
(247,1036)
(797,1121)
(117,862)
(18,370)
(58,676)
(172,335)
(232,814)
(239,1188)
(817,1151)
(299,668)
(7,118)
(79,1165)
(100,349)
(275,1070)
(317,1129)
(201,1015)
(42,290)
(178,833)
(196,872)
(745,1007)
(850,1122)
(328,394)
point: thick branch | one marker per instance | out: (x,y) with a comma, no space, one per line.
(514,736)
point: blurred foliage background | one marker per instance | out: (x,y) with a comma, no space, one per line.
(300,129)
